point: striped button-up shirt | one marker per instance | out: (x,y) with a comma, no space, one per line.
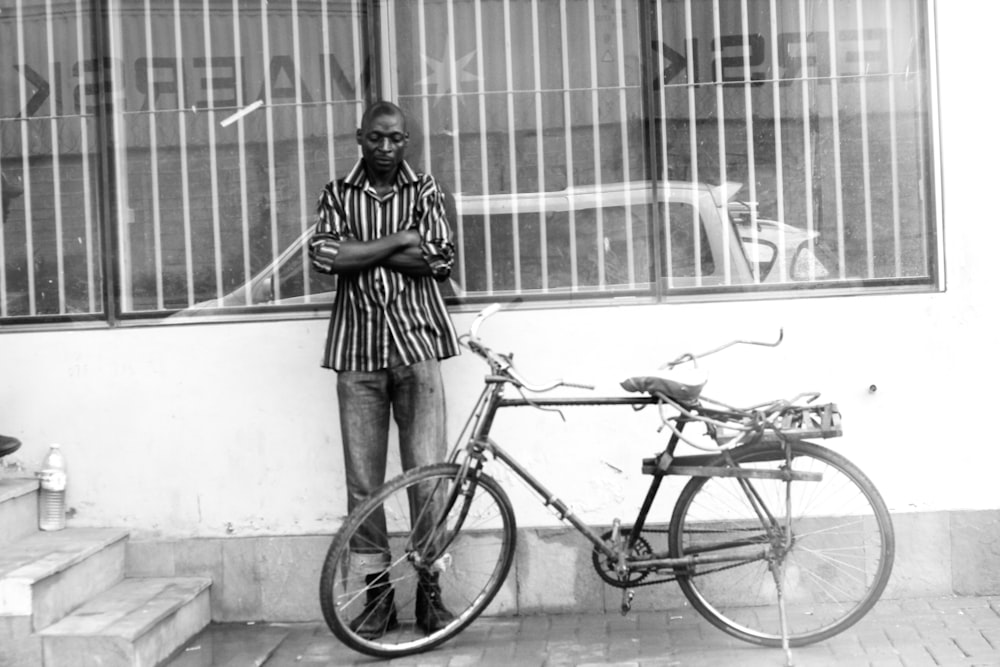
(378,309)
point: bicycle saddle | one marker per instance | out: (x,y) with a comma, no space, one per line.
(680,384)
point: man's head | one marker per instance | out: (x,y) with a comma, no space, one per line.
(383,138)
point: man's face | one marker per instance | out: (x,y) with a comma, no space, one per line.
(383,143)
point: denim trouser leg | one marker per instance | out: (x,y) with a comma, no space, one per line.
(415,395)
(419,411)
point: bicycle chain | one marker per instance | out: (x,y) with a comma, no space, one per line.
(691,576)
(642,582)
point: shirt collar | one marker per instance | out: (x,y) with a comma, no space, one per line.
(358,177)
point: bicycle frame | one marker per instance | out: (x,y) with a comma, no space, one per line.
(479,443)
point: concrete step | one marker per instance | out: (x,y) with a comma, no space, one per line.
(231,645)
(137,623)
(18,508)
(45,575)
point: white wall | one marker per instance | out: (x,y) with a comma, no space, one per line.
(232,428)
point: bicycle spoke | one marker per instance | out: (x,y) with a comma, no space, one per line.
(832,540)
(464,542)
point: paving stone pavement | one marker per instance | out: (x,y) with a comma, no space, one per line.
(922,632)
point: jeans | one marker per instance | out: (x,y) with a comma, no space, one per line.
(415,396)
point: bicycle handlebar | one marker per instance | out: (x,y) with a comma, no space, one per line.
(502,364)
(687,356)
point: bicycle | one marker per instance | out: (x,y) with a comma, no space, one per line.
(775,540)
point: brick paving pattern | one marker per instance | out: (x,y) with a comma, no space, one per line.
(912,633)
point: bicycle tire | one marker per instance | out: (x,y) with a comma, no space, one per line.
(839,562)
(477,533)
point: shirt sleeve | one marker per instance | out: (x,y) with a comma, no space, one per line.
(438,246)
(324,245)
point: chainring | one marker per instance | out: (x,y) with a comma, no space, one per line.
(607,568)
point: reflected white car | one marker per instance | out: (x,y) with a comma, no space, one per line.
(707,240)
(804,255)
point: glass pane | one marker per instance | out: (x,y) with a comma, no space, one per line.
(232,117)
(531,114)
(818,111)
(50,264)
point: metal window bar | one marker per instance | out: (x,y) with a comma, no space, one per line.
(456,137)
(838,176)
(807,153)
(270,133)
(301,144)
(661,171)
(119,204)
(623,128)
(568,137)
(779,159)
(88,196)
(483,142)
(540,146)
(692,83)
(748,119)
(425,113)
(244,201)
(29,232)
(154,168)
(185,171)
(331,150)
(720,112)
(866,156)
(57,176)
(595,111)
(515,223)
(893,144)
(213,160)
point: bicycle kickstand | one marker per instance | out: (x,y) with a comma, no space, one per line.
(782,618)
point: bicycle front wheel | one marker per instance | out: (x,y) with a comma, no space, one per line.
(458,529)
(830,541)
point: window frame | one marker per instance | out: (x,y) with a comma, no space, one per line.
(378,30)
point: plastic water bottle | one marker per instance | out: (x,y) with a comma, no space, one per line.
(52,497)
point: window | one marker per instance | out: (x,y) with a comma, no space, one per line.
(159,157)
(51,259)
(234,115)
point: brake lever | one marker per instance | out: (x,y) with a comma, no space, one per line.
(536,406)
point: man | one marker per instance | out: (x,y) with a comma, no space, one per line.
(384,231)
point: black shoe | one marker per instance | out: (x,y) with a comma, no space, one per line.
(8,445)
(379,615)
(430,610)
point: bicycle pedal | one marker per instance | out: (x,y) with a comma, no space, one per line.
(627,596)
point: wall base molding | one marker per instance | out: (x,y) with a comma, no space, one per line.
(276,578)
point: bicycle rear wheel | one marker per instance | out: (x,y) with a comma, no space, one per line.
(835,558)
(466,536)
